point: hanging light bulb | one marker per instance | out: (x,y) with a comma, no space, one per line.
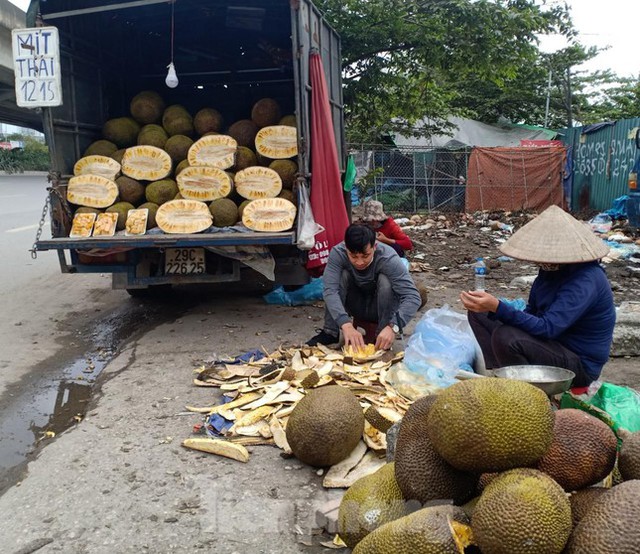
(172,79)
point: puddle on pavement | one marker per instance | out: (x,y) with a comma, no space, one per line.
(35,411)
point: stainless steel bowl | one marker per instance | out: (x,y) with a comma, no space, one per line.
(552,380)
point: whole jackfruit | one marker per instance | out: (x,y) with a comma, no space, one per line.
(370,502)
(207,120)
(581,502)
(147,107)
(427,531)
(130,190)
(162,191)
(100,148)
(244,131)
(177,147)
(122,209)
(325,426)
(176,120)
(583,451)
(122,131)
(523,511)
(422,474)
(485,425)
(266,111)
(153,210)
(245,157)
(153,135)
(224,212)
(611,525)
(287,170)
(629,461)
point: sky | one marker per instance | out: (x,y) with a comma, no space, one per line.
(600,23)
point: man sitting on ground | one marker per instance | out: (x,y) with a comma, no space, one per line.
(365,281)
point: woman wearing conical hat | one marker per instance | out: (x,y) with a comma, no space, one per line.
(569,319)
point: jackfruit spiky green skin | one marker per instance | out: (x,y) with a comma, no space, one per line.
(101,148)
(177,147)
(244,132)
(265,112)
(117,155)
(147,107)
(426,531)
(160,192)
(87,210)
(629,461)
(122,209)
(153,135)
(583,451)
(241,207)
(486,425)
(325,426)
(288,195)
(151,217)
(581,502)
(207,120)
(130,190)
(370,502)
(245,157)
(176,120)
(611,525)
(181,166)
(224,212)
(422,474)
(289,121)
(287,170)
(122,131)
(523,511)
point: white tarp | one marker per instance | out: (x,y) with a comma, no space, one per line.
(468,132)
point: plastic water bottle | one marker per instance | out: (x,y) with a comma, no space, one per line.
(480,270)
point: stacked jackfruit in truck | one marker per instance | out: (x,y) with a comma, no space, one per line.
(209,171)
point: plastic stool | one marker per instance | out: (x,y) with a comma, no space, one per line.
(370,328)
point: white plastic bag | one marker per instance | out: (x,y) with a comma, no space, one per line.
(442,344)
(308,228)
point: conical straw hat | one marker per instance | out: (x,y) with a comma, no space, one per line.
(555,237)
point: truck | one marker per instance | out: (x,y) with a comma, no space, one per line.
(227,54)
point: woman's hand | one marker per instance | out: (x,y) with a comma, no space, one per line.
(479,301)
(384,238)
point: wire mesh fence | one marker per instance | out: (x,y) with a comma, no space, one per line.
(424,179)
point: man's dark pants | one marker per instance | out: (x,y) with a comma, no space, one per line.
(375,302)
(503,345)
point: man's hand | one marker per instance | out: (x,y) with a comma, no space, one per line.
(352,336)
(479,301)
(385,338)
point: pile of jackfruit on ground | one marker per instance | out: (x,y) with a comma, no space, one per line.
(184,174)
(484,466)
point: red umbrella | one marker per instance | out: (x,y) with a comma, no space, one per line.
(327,202)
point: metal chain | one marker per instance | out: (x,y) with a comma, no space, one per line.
(45,209)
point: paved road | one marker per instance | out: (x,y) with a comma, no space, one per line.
(50,323)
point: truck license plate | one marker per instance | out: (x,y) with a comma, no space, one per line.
(184,261)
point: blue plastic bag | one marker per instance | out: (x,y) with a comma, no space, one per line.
(307,294)
(442,344)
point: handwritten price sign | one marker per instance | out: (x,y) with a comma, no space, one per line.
(36,62)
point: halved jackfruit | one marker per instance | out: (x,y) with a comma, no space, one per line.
(93,191)
(277,142)
(269,214)
(183,216)
(204,183)
(97,165)
(213,151)
(146,163)
(258,182)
